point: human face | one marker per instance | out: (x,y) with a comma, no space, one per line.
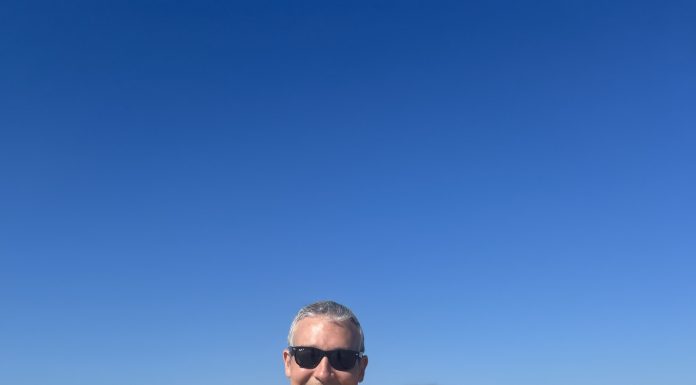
(322,333)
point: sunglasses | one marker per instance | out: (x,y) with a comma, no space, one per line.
(340,359)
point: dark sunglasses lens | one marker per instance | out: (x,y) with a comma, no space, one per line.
(308,358)
(343,359)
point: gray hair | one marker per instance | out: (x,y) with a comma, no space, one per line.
(331,310)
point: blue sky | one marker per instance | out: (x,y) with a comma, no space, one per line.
(502,191)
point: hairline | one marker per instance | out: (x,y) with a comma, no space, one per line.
(347,318)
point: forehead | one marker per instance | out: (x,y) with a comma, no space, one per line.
(326,334)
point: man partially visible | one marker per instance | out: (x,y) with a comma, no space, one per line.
(326,346)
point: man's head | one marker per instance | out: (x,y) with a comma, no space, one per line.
(326,346)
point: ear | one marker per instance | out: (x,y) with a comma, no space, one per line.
(286,360)
(363,365)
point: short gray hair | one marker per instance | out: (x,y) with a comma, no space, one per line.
(331,310)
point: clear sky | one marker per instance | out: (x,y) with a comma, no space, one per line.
(503,191)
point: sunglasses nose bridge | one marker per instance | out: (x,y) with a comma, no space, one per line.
(323,369)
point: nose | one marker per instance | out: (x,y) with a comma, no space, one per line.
(323,371)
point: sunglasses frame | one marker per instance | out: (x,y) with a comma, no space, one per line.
(328,354)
